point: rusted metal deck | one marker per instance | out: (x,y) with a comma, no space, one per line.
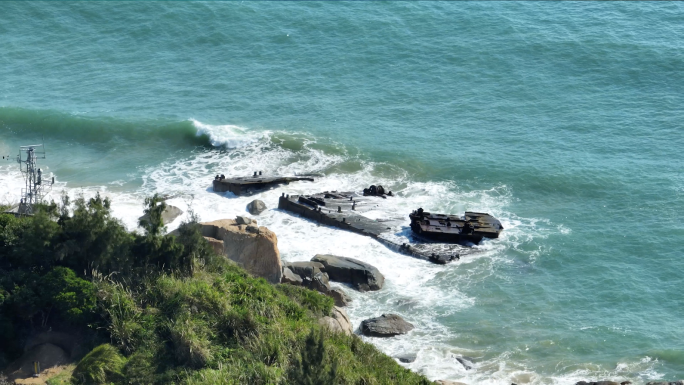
(343,210)
(253,184)
(472,227)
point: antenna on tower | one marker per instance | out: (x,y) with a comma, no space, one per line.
(35,188)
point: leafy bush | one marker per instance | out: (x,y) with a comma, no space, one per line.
(179,312)
(102,364)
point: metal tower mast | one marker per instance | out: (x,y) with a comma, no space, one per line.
(35,189)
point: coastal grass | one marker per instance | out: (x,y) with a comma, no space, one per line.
(161,309)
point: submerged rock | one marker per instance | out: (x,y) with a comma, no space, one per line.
(467,363)
(256,207)
(407,358)
(387,325)
(362,276)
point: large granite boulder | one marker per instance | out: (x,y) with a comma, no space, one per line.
(387,325)
(305,269)
(169,214)
(362,276)
(338,321)
(290,278)
(254,248)
(256,207)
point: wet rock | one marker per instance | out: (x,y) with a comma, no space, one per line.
(407,358)
(252,229)
(387,325)
(305,269)
(290,277)
(362,276)
(341,298)
(256,207)
(240,220)
(467,364)
(320,283)
(605,383)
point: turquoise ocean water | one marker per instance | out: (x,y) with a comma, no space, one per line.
(565,120)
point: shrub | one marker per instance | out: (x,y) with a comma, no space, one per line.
(310,368)
(102,364)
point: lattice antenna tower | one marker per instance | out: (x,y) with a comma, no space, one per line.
(35,188)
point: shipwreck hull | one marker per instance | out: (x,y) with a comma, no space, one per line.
(342,210)
(253,184)
(472,227)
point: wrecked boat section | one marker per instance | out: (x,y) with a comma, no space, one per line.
(343,210)
(253,184)
(472,227)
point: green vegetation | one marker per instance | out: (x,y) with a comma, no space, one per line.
(161,309)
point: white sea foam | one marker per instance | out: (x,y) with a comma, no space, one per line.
(421,292)
(226,135)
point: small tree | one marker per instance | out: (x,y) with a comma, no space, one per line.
(152,221)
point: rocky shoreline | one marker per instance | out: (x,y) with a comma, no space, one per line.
(255,248)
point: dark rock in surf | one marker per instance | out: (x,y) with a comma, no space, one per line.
(387,325)
(406,358)
(362,276)
(467,364)
(256,207)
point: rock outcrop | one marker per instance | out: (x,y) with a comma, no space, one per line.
(256,207)
(387,325)
(254,248)
(362,276)
(338,322)
(320,283)
(47,354)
